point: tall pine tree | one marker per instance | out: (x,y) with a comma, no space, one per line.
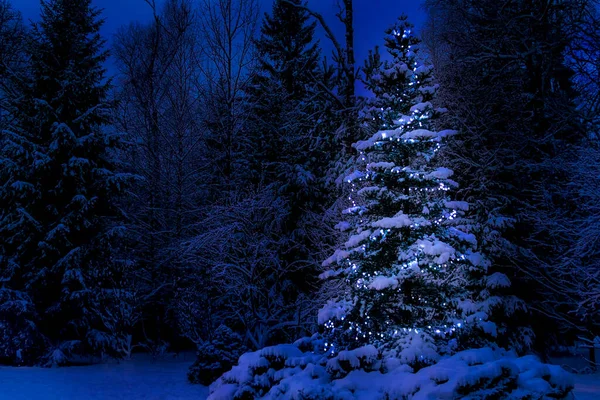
(60,183)
(417,283)
(396,84)
(285,101)
(281,95)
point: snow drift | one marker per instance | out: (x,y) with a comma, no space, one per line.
(300,371)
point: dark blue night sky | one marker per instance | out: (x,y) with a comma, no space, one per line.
(372,17)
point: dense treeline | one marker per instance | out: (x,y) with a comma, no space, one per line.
(190,200)
(189,192)
(514,79)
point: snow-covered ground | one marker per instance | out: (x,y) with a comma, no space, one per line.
(587,387)
(145,379)
(138,379)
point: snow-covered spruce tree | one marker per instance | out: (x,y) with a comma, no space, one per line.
(283,101)
(59,183)
(216,356)
(281,97)
(411,263)
(397,182)
(20,340)
(398,83)
(414,298)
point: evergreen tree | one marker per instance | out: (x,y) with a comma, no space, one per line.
(60,182)
(12,41)
(285,100)
(396,84)
(216,356)
(287,48)
(281,97)
(417,284)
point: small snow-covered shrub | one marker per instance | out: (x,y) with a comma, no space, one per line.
(20,341)
(66,353)
(216,356)
(300,371)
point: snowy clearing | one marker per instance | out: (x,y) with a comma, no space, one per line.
(140,378)
(144,379)
(587,387)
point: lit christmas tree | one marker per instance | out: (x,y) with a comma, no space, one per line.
(399,83)
(411,263)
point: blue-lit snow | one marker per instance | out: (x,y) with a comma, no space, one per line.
(143,378)
(140,378)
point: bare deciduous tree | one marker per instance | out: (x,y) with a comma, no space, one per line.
(159,102)
(227,28)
